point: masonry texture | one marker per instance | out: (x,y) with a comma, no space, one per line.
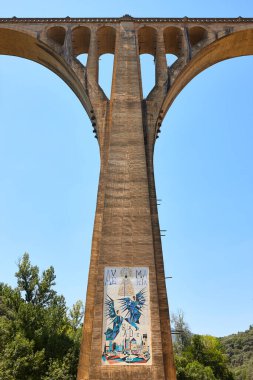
(126,229)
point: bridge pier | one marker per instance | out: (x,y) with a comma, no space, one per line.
(126,232)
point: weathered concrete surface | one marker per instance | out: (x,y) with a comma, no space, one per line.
(126,229)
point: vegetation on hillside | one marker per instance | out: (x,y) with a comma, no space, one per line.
(239,348)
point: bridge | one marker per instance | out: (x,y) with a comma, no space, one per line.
(126,332)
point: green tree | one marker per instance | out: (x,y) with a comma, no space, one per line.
(197,371)
(39,336)
(38,290)
(183,333)
(198,357)
(208,351)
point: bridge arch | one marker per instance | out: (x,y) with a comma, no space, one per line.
(172,40)
(57,34)
(147,40)
(197,34)
(80,40)
(106,39)
(27,45)
(233,45)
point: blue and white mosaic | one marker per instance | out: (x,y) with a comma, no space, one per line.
(126,319)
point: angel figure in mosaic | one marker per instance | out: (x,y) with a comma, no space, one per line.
(132,308)
(114,318)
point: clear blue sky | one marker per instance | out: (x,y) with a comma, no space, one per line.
(49,166)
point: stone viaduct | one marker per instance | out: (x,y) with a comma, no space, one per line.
(126,229)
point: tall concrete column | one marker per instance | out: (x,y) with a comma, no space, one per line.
(124,233)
